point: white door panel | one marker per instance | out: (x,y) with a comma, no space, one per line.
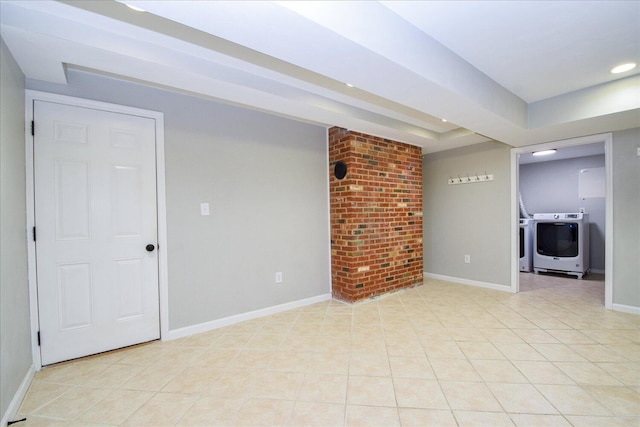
(128,285)
(95,211)
(71,191)
(74,296)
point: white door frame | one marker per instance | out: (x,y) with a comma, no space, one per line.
(607,138)
(30,97)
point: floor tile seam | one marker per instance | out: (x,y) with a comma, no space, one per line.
(623,355)
(558,365)
(71,387)
(486,383)
(603,402)
(386,351)
(66,384)
(569,385)
(558,412)
(488,412)
(163,388)
(77,417)
(502,412)
(46,417)
(605,346)
(299,398)
(511,414)
(374,406)
(466,358)
(33,411)
(439,387)
(514,366)
(235,415)
(344,412)
(48,371)
(115,386)
(249,398)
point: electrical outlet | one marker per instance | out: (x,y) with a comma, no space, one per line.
(204,209)
(279,277)
(467,259)
(582,210)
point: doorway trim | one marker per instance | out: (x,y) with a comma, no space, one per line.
(607,138)
(158,117)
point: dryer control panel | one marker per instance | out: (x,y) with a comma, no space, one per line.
(548,216)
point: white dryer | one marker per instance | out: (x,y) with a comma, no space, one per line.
(526,244)
(561,243)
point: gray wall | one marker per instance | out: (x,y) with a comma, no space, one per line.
(15,342)
(626,218)
(552,186)
(471,219)
(266,180)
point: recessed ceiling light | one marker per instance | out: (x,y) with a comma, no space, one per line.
(137,9)
(623,67)
(544,152)
(349,84)
(444,120)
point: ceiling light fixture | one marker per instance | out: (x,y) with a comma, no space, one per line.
(444,120)
(137,9)
(544,152)
(349,84)
(623,67)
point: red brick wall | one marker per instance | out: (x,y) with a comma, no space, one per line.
(376,215)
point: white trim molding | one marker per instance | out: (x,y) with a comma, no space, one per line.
(495,287)
(237,318)
(21,392)
(163,276)
(328,187)
(626,308)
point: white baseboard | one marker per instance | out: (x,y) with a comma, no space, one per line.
(495,287)
(231,320)
(18,397)
(626,308)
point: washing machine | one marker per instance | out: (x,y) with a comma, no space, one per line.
(526,244)
(561,243)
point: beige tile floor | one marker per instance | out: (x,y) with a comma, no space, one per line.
(440,354)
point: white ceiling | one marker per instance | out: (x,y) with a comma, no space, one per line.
(519,72)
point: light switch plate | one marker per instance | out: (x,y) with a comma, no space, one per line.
(204,209)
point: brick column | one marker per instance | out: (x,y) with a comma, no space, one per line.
(376,215)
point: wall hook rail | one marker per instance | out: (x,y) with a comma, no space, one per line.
(467,179)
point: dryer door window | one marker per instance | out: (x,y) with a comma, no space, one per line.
(557,239)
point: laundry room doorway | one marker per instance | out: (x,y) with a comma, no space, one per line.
(573,184)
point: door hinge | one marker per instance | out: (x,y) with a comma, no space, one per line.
(38,338)
(33,127)
(34,234)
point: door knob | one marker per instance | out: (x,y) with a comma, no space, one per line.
(149,248)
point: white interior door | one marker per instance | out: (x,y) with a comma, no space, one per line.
(95,215)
